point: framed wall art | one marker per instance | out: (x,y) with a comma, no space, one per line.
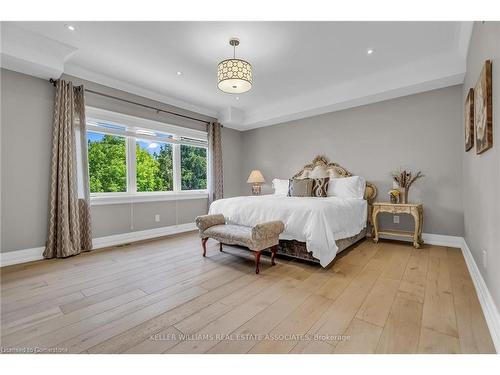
(483,110)
(469,120)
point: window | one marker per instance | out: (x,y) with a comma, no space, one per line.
(154,166)
(193,168)
(107,163)
(132,158)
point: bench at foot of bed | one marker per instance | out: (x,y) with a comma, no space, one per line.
(257,238)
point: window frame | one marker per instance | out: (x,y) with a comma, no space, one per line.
(132,124)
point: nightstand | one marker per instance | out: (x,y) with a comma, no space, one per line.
(413,209)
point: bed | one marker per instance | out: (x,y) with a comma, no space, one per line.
(316,229)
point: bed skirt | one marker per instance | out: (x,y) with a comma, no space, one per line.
(296,249)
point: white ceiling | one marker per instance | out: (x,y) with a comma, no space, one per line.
(300,68)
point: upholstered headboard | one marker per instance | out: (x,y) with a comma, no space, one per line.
(320,167)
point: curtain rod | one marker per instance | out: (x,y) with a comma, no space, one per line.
(53,82)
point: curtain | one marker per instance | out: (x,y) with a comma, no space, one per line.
(69,229)
(215,176)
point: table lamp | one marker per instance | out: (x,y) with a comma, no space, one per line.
(256,179)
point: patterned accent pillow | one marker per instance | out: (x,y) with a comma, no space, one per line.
(320,187)
(300,187)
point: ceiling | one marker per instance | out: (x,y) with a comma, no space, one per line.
(300,68)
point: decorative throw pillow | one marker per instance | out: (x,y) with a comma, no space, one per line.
(280,187)
(300,187)
(347,187)
(320,187)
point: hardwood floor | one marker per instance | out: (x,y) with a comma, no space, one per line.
(164,297)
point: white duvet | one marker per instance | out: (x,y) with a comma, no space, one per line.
(318,222)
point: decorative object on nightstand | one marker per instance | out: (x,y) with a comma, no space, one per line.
(405,179)
(414,209)
(394,195)
(256,179)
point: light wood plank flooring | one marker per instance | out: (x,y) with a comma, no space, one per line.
(163,297)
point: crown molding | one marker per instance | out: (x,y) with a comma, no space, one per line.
(442,70)
(26,52)
(81,72)
(464,36)
(231,117)
(30,53)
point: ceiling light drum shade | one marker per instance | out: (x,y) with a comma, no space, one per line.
(234,76)
(256,177)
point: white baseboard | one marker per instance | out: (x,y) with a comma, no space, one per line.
(29,255)
(21,256)
(489,307)
(123,238)
(433,239)
(442,240)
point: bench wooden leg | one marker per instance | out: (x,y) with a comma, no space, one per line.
(220,246)
(204,245)
(273,254)
(257,261)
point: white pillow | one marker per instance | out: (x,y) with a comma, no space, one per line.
(347,187)
(280,187)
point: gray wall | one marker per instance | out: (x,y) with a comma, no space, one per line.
(27,104)
(421,132)
(481,173)
(232,145)
(26,131)
(123,218)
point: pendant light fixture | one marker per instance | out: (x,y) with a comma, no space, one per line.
(234,76)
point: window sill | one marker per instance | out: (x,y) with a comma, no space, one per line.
(106,199)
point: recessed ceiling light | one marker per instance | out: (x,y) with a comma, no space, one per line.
(370,51)
(237,98)
(70,27)
(179,73)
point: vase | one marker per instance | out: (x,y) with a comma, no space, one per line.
(394,198)
(403,195)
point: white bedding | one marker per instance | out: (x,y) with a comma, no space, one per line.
(318,222)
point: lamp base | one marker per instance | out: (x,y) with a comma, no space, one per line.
(256,189)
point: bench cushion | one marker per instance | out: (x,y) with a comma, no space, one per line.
(257,238)
(230,234)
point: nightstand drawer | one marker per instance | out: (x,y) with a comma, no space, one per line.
(394,209)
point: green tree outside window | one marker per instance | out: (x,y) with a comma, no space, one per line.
(154,170)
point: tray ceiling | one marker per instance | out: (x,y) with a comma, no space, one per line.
(300,68)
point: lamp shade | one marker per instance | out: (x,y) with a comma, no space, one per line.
(234,76)
(256,177)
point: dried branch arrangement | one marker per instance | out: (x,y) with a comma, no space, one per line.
(405,178)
